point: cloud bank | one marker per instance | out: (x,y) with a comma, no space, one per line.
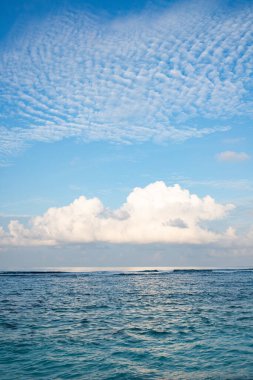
(135,78)
(155,213)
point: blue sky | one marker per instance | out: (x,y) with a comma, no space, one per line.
(101,97)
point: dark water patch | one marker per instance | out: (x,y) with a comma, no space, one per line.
(84,321)
(9,325)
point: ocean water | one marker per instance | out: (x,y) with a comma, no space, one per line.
(126,324)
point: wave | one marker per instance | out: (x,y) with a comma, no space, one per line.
(144,273)
(228,271)
(193,270)
(33,273)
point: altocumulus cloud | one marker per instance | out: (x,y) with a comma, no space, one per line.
(135,78)
(155,213)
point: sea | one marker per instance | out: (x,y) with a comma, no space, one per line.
(126,323)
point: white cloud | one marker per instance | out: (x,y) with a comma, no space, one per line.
(137,78)
(231,156)
(156,213)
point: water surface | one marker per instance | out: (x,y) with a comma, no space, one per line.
(126,324)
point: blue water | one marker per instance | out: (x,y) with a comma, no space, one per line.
(127,325)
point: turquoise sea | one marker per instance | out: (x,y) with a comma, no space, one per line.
(126,323)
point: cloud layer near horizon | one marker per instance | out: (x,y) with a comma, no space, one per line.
(155,213)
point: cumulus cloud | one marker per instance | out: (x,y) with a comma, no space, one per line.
(231,156)
(134,78)
(155,213)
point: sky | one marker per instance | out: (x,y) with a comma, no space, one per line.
(126,133)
